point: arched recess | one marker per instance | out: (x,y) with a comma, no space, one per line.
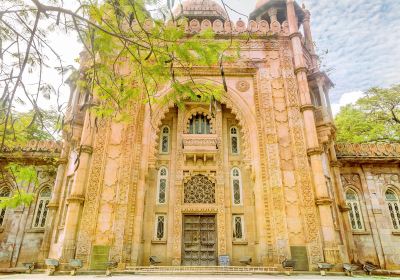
(233,100)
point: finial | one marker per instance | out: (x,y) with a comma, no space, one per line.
(303,5)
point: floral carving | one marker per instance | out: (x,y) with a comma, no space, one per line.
(199,189)
(242,86)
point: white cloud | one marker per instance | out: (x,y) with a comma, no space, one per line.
(345,99)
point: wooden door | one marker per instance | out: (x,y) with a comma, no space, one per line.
(199,240)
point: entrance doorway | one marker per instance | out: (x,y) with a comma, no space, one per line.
(199,240)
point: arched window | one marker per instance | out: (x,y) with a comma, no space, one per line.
(199,124)
(39,219)
(236,180)
(392,201)
(164,143)
(355,213)
(234,135)
(162,185)
(4,193)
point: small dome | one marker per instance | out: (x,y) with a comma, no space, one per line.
(200,9)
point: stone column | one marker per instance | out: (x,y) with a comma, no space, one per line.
(77,195)
(343,208)
(272,12)
(54,203)
(326,110)
(313,149)
(308,38)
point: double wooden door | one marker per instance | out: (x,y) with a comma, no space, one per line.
(199,240)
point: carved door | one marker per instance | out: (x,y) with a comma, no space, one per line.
(199,240)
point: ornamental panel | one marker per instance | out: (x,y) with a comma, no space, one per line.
(199,189)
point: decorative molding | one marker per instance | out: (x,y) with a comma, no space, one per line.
(323,201)
(314,151)
(295,34)
(307,107)
(242,86)
(300,69)
(369,151)
(86,149)
(344,208)
(76,198)
(335,163)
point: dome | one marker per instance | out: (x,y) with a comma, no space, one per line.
(200,9)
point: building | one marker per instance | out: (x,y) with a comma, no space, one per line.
(22,228)
(262,178)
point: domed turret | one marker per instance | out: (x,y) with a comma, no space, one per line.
(201,9)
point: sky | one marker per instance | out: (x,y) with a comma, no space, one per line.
(359,40)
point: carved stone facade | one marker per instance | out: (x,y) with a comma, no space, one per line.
(259,177)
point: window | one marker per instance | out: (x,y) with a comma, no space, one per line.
(236,186)
(39,219)
(238,227)
(199,124)
(160,227)
(355,213)
(199,189)
(392,201)
(234,135)
(164,143)
(162,185)
(4,193)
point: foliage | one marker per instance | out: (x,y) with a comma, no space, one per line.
(31,125)
(374,117)
(132,51)
(20,176)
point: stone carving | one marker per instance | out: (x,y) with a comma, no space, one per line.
(90,210)
(199,189)
(352,179)
(242,86)
(228,28)
(36,146)
(368,150)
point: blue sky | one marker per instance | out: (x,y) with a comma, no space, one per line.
(362,38)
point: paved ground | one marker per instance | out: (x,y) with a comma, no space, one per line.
(191,277)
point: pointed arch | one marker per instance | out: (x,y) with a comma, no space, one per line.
(355,211)
(393,205)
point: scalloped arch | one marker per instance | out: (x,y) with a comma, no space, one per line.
(232,101)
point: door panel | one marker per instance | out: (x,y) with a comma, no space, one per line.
(199,240)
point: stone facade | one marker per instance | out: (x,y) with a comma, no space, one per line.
(259,178)
(22,229)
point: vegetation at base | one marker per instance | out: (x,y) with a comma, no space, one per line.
(374,117)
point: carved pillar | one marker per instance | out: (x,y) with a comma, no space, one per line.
(77,195)
(54,204)
(177,222)
(313,150)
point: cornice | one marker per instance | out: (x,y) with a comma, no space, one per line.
(306,107)
(314,151)
(323,201)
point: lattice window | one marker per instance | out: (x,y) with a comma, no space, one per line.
(162,185)
(234,135)
(164,143)
(39,219)
(392,201)
(355,213)
(4,193)
(236,180)
(160,227)
(199,124)
(199,189)
(238,227)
